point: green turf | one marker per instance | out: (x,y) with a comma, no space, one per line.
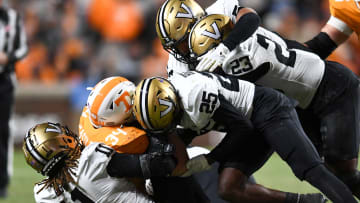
(275,174)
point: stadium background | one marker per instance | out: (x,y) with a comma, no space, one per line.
(74,44)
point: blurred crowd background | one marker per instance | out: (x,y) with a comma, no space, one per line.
(73,44)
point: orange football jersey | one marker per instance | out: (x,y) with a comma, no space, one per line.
(347,11)
(123,139)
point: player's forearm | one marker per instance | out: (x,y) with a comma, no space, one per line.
(247,24)
(335,35)
(140,165)
(321,45)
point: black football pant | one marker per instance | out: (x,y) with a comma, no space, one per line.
(6,102)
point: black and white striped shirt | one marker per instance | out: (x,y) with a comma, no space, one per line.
(12,38)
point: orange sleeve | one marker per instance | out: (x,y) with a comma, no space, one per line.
(348,12)
(125,139)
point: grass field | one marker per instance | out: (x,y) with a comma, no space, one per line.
(275,174)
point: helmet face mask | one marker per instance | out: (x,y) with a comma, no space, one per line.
(207,33)
(173,24)
(156,105)
(47,145)
(110,102)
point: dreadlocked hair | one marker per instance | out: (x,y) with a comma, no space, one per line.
(62,172)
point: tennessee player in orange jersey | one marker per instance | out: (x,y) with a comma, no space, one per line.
(124,139)
(344,20)
(107,118)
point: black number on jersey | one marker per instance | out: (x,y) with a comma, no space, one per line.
(289,61)
(229,83)
(104,149)
(240,65)
(208,102)
(236,10)
(78,196)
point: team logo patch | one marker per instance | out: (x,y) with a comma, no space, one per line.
(169,105)
(215,35)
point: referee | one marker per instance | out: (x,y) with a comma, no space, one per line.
(12,48)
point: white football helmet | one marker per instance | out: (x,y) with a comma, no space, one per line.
(110,102)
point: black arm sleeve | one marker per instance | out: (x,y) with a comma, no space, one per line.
(140,166)
(237,125)
(125,165)
(186,135)
(322,45)
(243,29)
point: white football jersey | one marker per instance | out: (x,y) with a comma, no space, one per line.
(294,72)
(200,92)
(225,7)
(94,182)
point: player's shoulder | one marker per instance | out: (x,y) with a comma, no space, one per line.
(224,7)
(344,8)
(96,150)
(190,82)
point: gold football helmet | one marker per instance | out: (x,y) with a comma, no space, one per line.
(155,105)
(173,24)
(47,146)
(207,33)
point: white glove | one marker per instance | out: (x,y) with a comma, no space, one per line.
(148,187)
(195,165)
(213,59)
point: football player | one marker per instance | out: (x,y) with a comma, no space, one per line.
(75,173)
(107,118)
(328,93)
(344,20)
(175,19)
(256,120)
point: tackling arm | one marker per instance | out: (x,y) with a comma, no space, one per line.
(238,128)
(158,161)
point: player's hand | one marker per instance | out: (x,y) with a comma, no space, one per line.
(213,59)
(312,198)
(196,164)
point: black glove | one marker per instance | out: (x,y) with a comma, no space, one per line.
(158,145)
(305,198)
(153,165)
(312,198)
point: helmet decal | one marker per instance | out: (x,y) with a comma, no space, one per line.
(53,128)
(169,104)
(215,35)
(122,99)
(188,13)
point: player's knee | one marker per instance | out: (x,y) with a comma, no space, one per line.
(227,191)
(229,188)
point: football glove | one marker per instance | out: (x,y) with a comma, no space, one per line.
(153,165)
(197,164)
(213,59)
(312,198)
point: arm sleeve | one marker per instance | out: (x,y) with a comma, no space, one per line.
(125,165)
(243,29)
(237,125)
(322,45)
(140,166)
(20,45)
(186,135)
